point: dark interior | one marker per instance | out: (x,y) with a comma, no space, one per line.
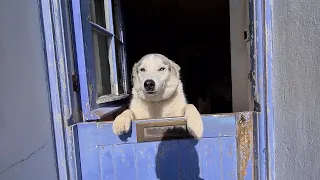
(194,34)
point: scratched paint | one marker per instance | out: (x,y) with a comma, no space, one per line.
(212,157)
(111,98)
(269,87)
(61,110)
(244,142)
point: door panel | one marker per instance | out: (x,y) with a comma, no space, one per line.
(106,158)
(124,161)
(146,164)
(102,155)
(240,39)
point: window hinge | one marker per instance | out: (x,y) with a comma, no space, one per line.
(246,35)
(75,83)
(251,76)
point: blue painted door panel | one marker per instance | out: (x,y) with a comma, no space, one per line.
(103,156)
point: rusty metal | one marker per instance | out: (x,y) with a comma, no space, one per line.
(244,142)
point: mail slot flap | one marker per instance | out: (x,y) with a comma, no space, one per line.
(166,129)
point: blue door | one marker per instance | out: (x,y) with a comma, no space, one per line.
(154,149)
(162,149)
(234,146)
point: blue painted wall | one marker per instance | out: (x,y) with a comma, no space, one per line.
(296,89)
(26,137)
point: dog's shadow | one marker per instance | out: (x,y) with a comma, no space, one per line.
(177,159)
(125,136)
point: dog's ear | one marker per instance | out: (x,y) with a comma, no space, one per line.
(134,73)
(175,68)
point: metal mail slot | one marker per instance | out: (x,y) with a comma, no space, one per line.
(163,129)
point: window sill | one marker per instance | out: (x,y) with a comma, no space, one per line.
(111,98)
(103,112)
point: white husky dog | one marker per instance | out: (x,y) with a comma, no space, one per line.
(157,93)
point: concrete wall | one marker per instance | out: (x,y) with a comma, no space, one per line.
(26,138)
(296,88)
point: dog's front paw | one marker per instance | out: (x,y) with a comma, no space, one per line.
(122,124)
(194,121)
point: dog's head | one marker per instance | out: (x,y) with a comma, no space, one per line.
(155,77)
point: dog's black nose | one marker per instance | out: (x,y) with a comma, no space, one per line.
(149,85)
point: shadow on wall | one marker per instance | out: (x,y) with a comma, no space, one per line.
(177,159)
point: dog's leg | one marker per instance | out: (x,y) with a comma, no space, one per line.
(122,122)
(194,121)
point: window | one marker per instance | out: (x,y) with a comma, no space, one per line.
(101,59)
(209,39)
(206,38)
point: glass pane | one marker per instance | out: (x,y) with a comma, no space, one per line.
(117,21)
(101,46)
(97,12)
(120,68)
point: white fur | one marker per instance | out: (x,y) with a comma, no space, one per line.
(168,99)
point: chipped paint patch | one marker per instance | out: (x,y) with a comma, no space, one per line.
(111,98)
(244,141)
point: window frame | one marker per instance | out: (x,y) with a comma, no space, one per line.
(55,25)
(93,107)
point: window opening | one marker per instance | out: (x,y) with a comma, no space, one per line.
(194,35)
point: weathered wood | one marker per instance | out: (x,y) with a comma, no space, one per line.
(218,155)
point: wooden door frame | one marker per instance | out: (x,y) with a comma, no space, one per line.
(260,11)
(54,28)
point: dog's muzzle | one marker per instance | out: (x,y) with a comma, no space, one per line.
(149,85)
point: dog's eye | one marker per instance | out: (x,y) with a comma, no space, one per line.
(142,69)
(162,69)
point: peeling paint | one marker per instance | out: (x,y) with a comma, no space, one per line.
(244,141)
(110,98)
